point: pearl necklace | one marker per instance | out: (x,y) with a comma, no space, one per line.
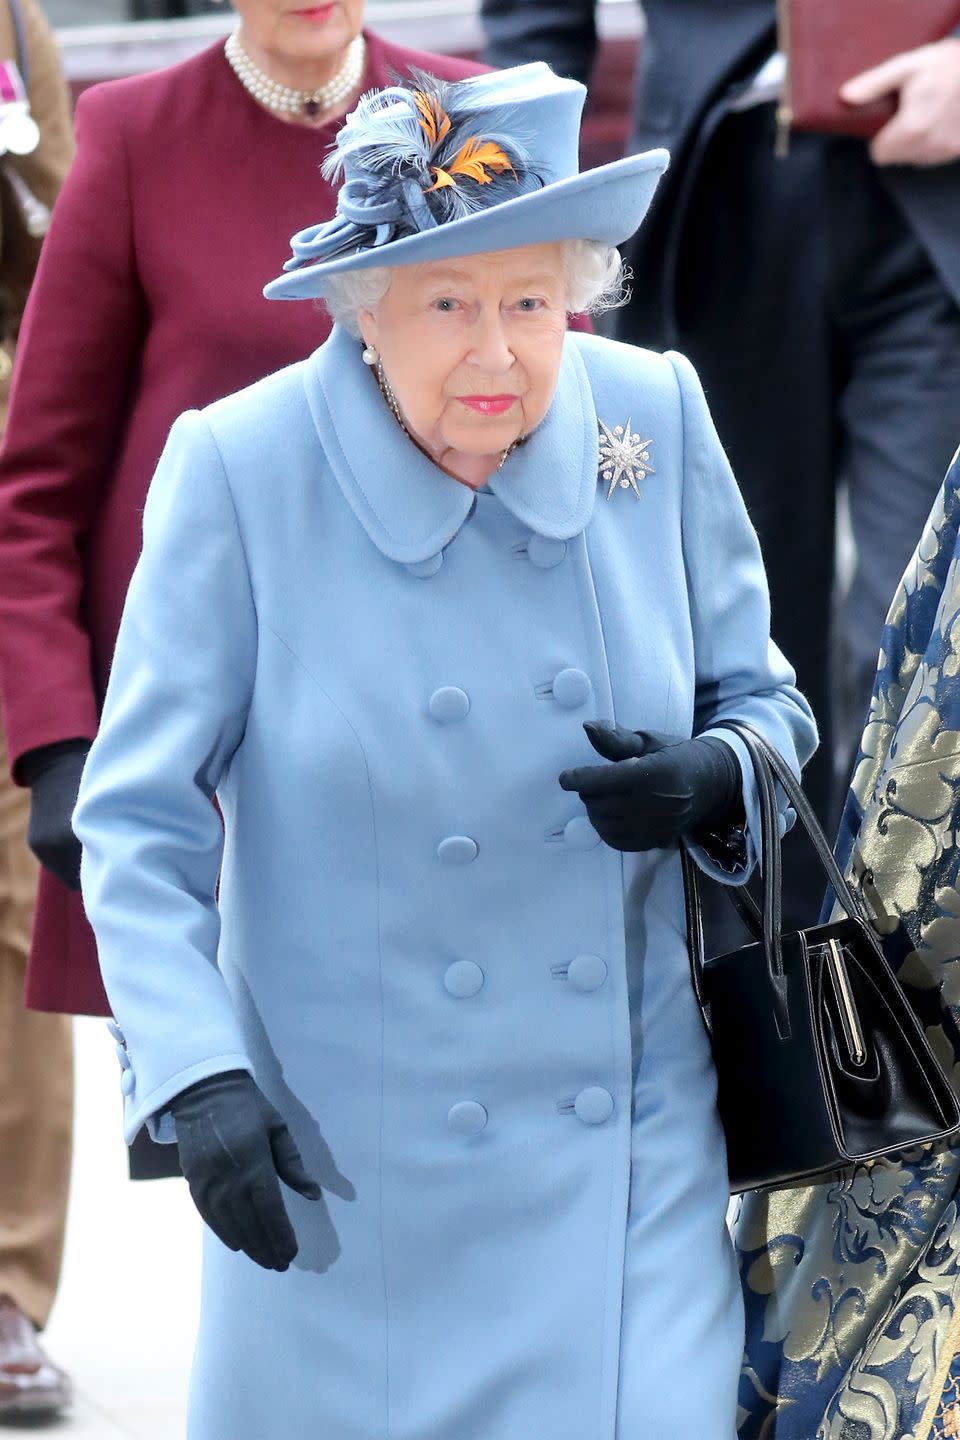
(389,394)
(306,104)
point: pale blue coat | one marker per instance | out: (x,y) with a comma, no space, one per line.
(475,1017)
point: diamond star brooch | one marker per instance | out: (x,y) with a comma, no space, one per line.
(624,458)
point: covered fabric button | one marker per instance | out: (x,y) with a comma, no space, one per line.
(594,1105)
(127,1082)
(449,703)
(458,850)
(123,1057)
(423,569)
(586,973)
(467,1118)
(571,689)
(579,834)
(545,553)
(463,979)
(116,1032)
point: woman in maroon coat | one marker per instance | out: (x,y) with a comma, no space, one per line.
(187,185)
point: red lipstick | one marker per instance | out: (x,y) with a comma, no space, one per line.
(488,404)
(314,12)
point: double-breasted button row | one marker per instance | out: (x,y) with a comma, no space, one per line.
(570,688)
(593,1106)
(585,973)
(577,834)
(541,551)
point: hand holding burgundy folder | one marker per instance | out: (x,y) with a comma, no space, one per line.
(828,42)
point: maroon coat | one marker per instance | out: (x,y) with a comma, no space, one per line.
(147,302)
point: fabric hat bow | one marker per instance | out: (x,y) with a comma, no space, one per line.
(410,160)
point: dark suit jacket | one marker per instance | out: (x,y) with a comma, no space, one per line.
(694,50)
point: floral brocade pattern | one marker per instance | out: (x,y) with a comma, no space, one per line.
(852,1286)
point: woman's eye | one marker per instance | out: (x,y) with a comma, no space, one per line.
(529,302)
(445,305)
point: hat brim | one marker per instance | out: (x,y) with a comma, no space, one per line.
(606,204)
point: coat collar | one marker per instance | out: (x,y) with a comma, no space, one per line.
(408,507)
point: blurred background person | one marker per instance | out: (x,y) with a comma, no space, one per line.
(187,183)
(36,1053)
(817,294)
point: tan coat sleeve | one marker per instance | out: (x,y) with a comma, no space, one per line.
(43,172)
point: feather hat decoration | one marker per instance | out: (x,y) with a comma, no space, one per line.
(410,158)
(431,169)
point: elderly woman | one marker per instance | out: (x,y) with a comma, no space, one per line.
(433,1044)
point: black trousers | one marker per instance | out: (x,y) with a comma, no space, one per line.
(830,353)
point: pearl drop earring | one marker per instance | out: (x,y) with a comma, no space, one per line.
(369,355)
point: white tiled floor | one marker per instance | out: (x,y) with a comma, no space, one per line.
(124,1322)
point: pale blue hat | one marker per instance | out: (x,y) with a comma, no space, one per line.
(439,169)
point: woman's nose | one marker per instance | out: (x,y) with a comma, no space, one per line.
(491,348)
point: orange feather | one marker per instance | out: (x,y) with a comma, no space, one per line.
(433,118)
(476,157)
(473,160)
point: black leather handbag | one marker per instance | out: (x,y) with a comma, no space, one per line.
(821,1063)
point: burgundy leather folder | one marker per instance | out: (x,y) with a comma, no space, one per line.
(827,42)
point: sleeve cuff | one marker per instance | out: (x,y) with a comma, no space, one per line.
(730,856)
(153,1111)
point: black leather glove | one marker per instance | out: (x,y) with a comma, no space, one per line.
(233,1145)
(655,791)
(53,775)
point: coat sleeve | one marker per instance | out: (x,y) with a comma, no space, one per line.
(174,714)
(75,363)
(561,32)
(740,673)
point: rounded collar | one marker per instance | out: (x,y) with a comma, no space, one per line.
(408,506)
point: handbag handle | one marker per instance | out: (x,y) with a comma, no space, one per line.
(768,925)
(757,743)
(770,768)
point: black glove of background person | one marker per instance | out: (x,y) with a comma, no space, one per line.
(655,791)
(53,775)
(233,1145)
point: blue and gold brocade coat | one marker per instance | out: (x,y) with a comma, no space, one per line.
(852,1286)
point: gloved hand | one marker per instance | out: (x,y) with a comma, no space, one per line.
(656,790)
(53,774)
(233,1145)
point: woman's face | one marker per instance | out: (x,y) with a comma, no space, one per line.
(296,30)
(472,347)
